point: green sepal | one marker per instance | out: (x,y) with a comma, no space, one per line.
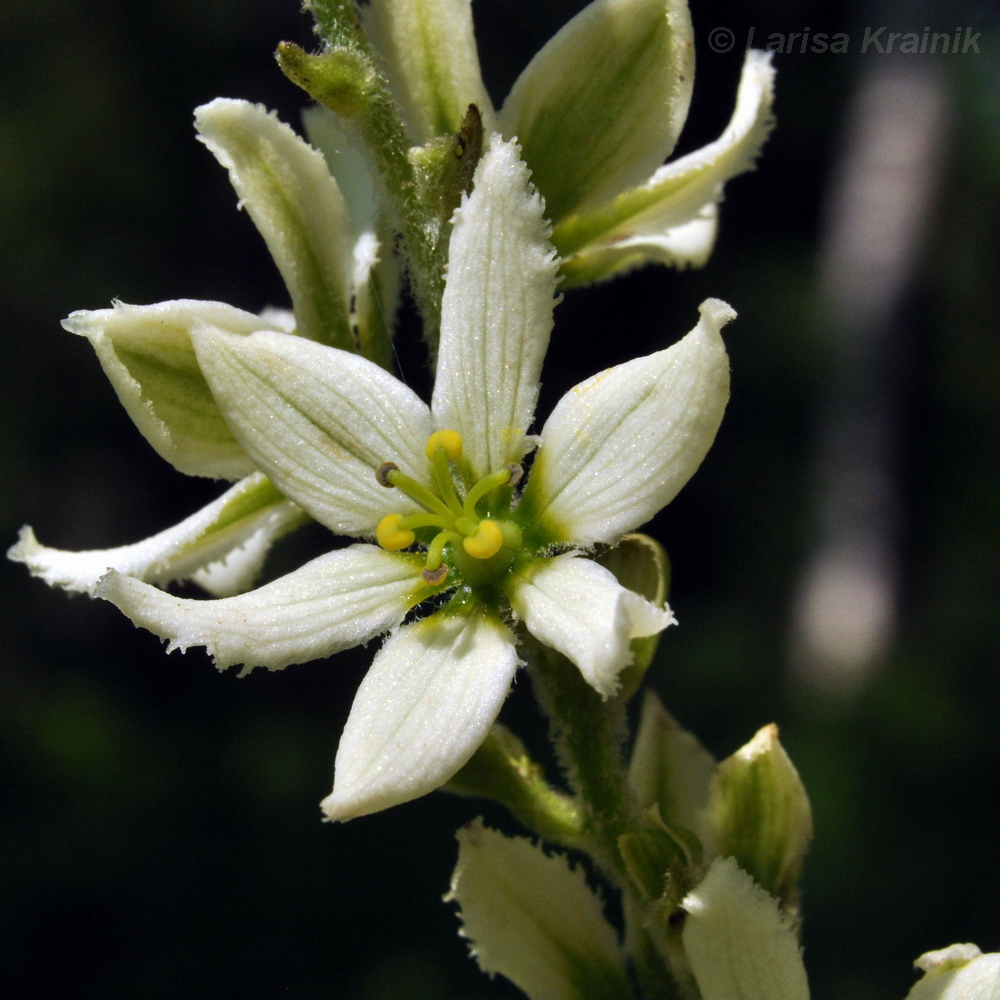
(503,770)
(641,564)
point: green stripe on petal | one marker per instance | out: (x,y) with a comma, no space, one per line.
(620,446)
(287,188)
(336,601)
(320,422)
(428,49)
(423,709)
(601,106)
(738,941)
(245,520)
(532,917)
(681,192)
(147,354)
(496,314)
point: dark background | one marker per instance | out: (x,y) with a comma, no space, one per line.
(161,836)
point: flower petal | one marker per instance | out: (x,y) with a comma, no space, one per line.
(960,972)
(428,49)
(496,314)
(349,162)
(252,512)
(376,278)
(320,422)
(422,710)
(686,245)
(738,941)
(680,192)
(579,608)
(601,106)
(286,187)
(339,600)
(620,446)
(146,352)
(670,768)
(531,917)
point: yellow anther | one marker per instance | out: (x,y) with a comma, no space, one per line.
(486,542)
(451,441)
(391,536)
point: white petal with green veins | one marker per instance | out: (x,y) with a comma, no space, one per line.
(338,600)
(496,314)
(286,187)
(147,354)
(738,941)
(687,245)
(579,608)
(620,446)
(252,509)
(424,707)
(533,918)
(428,49)
(320,422)
(601,106)
(680,192)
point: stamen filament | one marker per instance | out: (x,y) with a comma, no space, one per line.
(424,521)
(421,494)
(435,551)
(487,483)
(442,476)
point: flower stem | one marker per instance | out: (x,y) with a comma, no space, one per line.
(588,734)
(345,77)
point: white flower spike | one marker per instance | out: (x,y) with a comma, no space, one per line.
(360,452)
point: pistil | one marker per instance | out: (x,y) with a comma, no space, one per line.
(457,519)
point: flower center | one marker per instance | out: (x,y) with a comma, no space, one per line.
(455,517)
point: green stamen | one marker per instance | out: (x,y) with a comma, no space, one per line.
(421,494)
(487,483)
(435,551)
(442,476)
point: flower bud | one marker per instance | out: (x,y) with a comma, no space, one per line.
(760,814)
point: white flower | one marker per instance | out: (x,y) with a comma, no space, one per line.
(596,112)
(360,452)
